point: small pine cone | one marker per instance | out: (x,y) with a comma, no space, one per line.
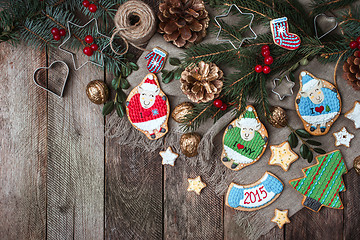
(202,82)
(352,70)
(183,22)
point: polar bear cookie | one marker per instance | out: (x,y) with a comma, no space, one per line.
(148,109)
(318,104)
(244,141)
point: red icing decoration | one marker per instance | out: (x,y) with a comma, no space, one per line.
(239,146)
(319,109)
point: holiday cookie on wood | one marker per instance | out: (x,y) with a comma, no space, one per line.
(244,141)
(256,195)
(322,182)
(318,104)
(281,218)
(282,155)
(148,109)
(354,114)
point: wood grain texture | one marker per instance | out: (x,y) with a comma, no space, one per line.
(133,193)
(186,214)
(23,120)
(76,158)
(351,200)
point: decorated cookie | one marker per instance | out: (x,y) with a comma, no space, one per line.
(244,141)
(343,137)
(196,185)
(322,182)
(156,60)
(282,155)
(282,36)
(318,104)
(354,114)
(256,195)
(168,156)
(281,218)
(148,109)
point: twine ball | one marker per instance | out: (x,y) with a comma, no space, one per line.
(189,143)
(277,117)
(181,110)
(357,165)
(97,91)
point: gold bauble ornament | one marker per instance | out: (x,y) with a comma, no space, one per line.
(277,117)
(357,165)
(181,110)
(189,143)
(97,91)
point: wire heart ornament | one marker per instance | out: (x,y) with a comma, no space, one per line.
(48,68)
(329,19)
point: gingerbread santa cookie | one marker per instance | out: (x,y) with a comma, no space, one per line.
(148,109)
(318,104)
(244,141)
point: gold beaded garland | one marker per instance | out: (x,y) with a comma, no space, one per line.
(189,143)
(277,117)
(181,110)
(97,91)
(357,165)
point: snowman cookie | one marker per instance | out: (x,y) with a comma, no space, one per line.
(318,104)
(244,141)
(148,109)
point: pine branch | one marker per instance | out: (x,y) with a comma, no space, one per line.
(322,6)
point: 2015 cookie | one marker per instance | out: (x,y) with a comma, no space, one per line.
(148,109)
(244,140)
(256,195)
(318,104)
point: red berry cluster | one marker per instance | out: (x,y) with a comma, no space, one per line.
(268,60)
(219,104)
(92,7)
(57,34)
(93,47)
(355,44)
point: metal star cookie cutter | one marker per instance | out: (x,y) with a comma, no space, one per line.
(73,54)
(282,96)
(225,15)
(327,17)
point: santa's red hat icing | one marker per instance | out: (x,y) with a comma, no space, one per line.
(149,84)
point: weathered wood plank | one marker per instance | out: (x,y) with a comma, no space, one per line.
(351,199)
(134,193)
(275,234)
(186,214)
(75,180)
(23,152)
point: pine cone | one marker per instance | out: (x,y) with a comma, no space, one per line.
(352,70)
(183,22)
(202,82)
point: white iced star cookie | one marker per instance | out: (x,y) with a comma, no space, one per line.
(281,218)
(282,155)
(343,137)
(354,114)
(168,156)
(196,185)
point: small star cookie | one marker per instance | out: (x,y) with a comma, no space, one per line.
(168,156)
(343,137)
(354,114)
(282,155)
(280,218)
(196,185)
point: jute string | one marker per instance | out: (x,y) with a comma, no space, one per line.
(135,23)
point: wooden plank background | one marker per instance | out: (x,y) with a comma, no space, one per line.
(61,178)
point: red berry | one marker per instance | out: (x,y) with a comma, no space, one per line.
(92,8)
(94,47)
(358,40)
(55,31)
(268,60)
(266,69)
(86,3)
(218,103)
(258,68)
(265,47)
(265,53)
(223,107)
(57,37)
(89,39)
(88,51)
(353,44)
(62,32)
